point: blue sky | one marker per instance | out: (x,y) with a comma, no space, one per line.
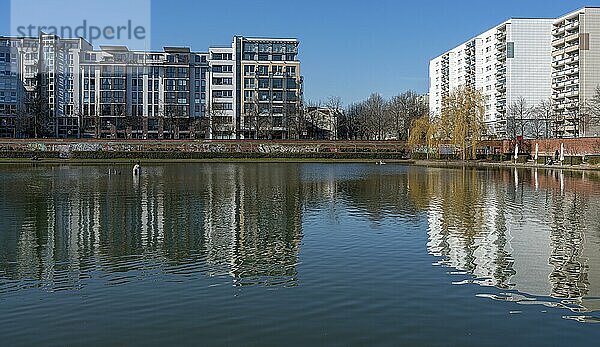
(348,48)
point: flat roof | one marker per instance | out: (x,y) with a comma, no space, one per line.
(114,48)
(177,49)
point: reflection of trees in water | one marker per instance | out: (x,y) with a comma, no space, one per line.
(61,223)
(379,195)
(466,227)
(236,219)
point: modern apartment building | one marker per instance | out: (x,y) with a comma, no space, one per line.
(575,71)
(141,95)
(39,76)
(270,84)
(506,63)
(247,90)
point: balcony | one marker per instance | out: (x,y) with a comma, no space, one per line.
(558,29)
(572,25)
(573,37)
(572,48)
(571,94)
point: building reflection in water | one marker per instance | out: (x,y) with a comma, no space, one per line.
(60,224)
(533,232)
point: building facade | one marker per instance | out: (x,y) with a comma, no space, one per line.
(269,87)
(506,63)
(246,90)
(575,71)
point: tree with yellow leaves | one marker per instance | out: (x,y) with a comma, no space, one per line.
(460,124)
(462,120)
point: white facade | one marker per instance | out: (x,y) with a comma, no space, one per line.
(505,63)
(575,71)
(221,93)
(249,89)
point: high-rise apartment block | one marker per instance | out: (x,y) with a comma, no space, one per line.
(505,63)
(575,71)
(552,61)
(247,90)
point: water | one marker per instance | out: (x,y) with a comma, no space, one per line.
(298,254)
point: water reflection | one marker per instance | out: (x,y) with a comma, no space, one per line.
(58,225)
(536,233)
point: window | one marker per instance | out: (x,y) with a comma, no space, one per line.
(291,96)
(277,70)
(277,83)
(250,47)
(278,48)
(249,83)
(223,68)
(263,83)
(510,50)
(222,93)
(222,81)
(249,70)
(263,70)
(264,48)
(263,96)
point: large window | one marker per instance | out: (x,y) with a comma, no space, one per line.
(248,70)
(264,48)
(249,83)
(277,83)
(263,83)
(263,70)
(250,47)
(510,50)
(263,96)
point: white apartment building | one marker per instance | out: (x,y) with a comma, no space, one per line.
(506,63)
(575,71)
(222,94)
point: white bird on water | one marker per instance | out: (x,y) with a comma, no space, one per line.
(136,170)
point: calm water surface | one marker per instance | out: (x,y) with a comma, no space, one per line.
(298,254)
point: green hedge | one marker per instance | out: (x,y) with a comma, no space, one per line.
(593,159)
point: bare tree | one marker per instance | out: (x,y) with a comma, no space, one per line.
(351,124)
(334,104)
(403,109)
(591,114)
(376,121)
(518,116)
(544,116)
(295,120)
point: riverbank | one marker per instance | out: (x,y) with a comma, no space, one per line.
(54,161)
(505,164)
(425,163)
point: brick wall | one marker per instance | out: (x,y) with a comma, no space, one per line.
(575,147)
